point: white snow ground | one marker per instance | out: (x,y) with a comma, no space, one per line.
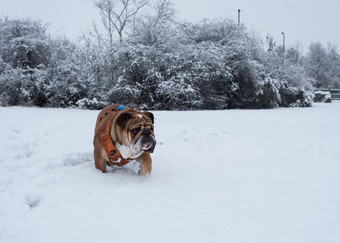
(218,176)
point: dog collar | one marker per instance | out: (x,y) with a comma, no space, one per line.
(115,157)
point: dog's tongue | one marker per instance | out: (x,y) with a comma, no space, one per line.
(146,146)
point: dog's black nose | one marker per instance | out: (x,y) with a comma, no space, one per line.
(146,132)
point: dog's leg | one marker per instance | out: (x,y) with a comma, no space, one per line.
(145,164)
(101,165)
(99,160)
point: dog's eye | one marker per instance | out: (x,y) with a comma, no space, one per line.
(136,130)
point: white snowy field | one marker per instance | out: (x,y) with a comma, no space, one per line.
(218,176)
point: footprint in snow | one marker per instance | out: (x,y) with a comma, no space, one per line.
(33,200)
(77,159)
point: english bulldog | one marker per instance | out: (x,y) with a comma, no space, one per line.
(121,135)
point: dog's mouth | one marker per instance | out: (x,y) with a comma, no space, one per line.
(147,146)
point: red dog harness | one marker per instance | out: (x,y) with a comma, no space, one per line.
(115,157)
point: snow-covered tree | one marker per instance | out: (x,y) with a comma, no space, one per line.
(156,27)
(23,43)
(317,64)
(333,62)
(25,53)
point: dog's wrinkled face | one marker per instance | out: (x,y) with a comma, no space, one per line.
(136,131)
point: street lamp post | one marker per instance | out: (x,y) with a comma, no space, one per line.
(284,40)
(239,17)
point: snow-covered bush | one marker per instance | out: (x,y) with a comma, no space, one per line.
(36,70)
(152,79)
(295,97)
(322,96)
(177,94)
(91,104)
(126,94)
(24,43)
(268,95)
(23,87)
(11,90)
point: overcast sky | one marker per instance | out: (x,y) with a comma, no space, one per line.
(305,21)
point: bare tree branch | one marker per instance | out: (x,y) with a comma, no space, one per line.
(117,13)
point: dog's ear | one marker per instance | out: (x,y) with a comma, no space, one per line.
(123,119)
(150,116)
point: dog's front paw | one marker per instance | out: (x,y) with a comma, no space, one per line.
(144,171)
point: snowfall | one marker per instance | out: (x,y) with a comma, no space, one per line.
(218,176)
